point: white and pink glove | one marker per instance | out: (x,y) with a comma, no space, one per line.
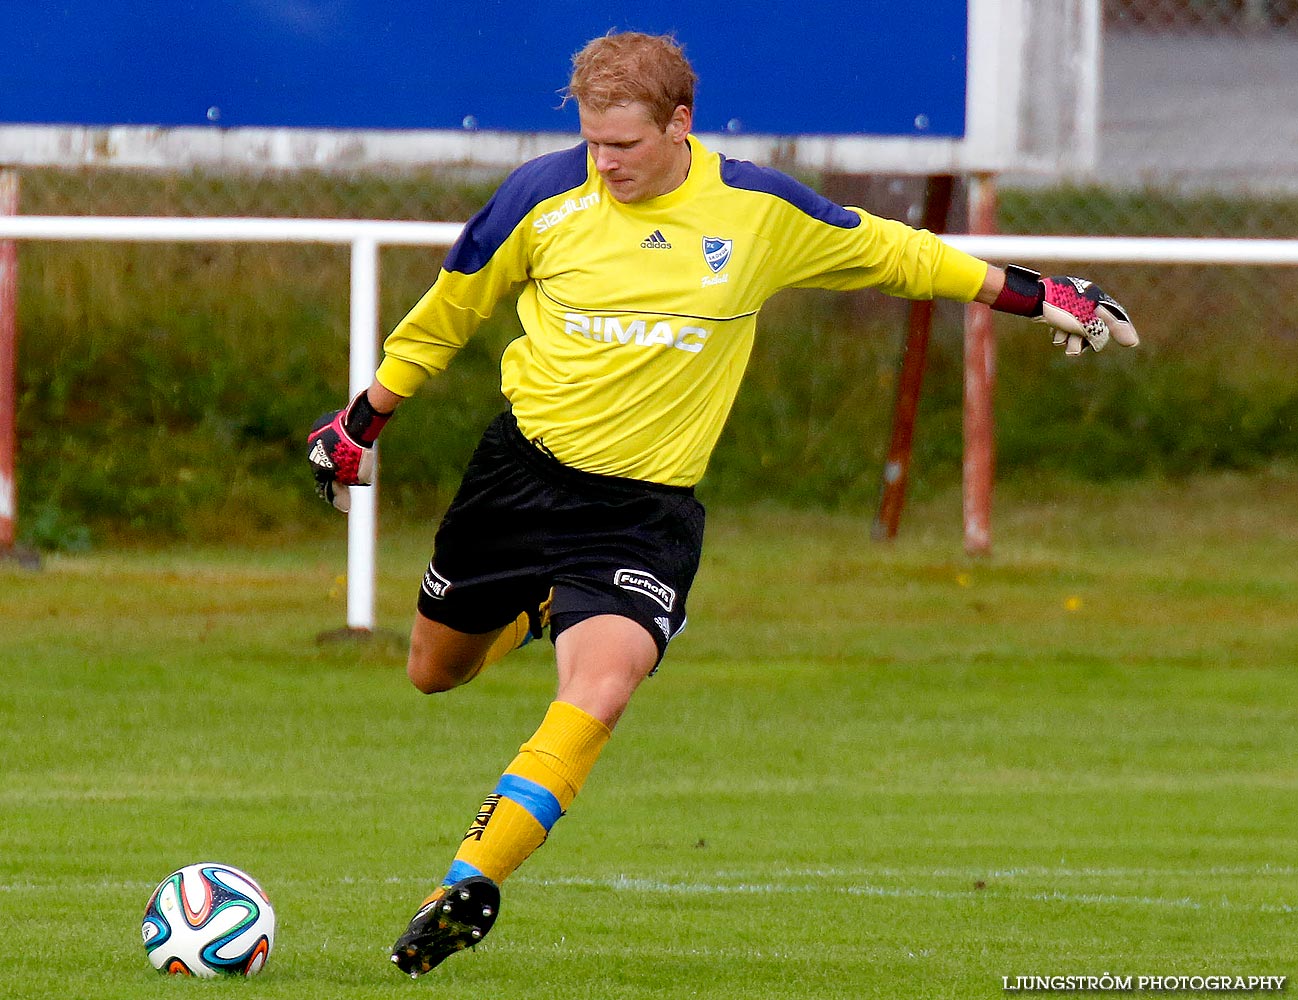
(1080,312)
(340,450)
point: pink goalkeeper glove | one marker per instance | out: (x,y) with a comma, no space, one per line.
(1081,313)
(340,450)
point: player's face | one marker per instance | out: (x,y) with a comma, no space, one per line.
(637,159)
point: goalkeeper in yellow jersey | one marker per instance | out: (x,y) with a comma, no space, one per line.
(640,260)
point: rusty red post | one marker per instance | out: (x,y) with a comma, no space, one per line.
(979,386)
(910,379)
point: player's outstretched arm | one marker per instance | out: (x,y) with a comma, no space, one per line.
(1082,315)
(340,447)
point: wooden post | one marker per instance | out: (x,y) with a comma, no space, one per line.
(910,379)
(979,385)
(8,370)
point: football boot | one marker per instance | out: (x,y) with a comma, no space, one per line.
(453,918)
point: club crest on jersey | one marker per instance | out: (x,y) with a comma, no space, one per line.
(716,252)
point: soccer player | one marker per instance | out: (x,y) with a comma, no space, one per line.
(641,259)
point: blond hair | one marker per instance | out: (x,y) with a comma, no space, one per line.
(629,67)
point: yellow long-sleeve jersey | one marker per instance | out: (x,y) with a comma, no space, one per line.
(639,318)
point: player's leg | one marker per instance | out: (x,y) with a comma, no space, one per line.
(442,657)
(601,662)
(622,556)
(483,594)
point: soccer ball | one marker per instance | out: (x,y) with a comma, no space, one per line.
(208,920)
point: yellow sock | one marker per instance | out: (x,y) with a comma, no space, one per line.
(535,790)
(513,636)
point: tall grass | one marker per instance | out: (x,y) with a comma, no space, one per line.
(165,390)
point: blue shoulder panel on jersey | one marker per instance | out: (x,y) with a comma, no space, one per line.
(524,189)
(766,180)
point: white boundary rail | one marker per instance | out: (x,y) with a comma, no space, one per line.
(365,237)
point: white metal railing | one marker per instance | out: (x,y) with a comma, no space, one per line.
(365,237)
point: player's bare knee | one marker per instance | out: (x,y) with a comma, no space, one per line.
(434,667)
(435,661)
(422,669)
(424,679)
(431,675)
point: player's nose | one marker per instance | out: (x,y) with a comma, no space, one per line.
(605,161)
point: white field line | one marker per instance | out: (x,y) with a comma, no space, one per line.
(652,886)
(1030,871)
(854,886)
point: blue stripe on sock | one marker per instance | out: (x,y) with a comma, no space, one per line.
(459,870)
(536,799)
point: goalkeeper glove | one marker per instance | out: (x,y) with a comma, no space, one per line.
(1081,313)
(340,450)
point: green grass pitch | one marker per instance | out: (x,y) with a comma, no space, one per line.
(863,771)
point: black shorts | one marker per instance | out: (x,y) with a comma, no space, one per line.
(522,523)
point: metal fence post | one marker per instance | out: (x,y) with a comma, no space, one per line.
(8,369)
(362,520)
(979,380)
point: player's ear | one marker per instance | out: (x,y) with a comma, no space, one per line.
(678,126)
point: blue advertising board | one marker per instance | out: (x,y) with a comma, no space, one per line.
(815,67)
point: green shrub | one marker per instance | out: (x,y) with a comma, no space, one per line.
(165,390)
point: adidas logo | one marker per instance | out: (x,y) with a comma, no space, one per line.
(319,456)
(664,624)
(656,241)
